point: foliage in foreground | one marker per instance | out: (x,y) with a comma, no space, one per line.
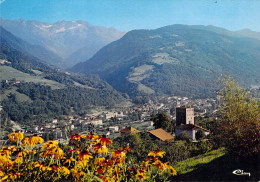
(85,158)
(240,120)
(193,163)
(217,165)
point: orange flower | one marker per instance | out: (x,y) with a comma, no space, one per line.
(118,154)
(152,159)
(104,178)
(16,136)
(103,162)
(101,169)
(104,140)
(74,150)
(75,137)
(127,149)
(85,156)
(92,136)
(55,168)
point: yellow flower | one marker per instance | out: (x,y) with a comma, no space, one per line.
(141,171)
(19,157)
(2,173)
(11,176)
(118,154)
(64,170)
(5,161)
(85,155)
(100,161)
(140,176)
(160,165)
(76,137)
(173,172)
(69,160)
(5,152)
(55,152)
(50,144)
(76,173)
(82,164)
(157,153)
(31,141)
(100,149)
(145,164)
(37,140)
(104,140)
(15,136)
(8,150)
(41,166)
(92,136)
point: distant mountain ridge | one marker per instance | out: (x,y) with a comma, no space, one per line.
(176,59)
(33,92)
(73,41)
(33,50)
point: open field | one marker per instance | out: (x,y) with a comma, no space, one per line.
(8,73)
(20,97)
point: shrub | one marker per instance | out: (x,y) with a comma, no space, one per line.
(240,120)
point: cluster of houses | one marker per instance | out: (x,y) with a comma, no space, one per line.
(184,123)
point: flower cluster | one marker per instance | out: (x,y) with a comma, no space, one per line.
(83,158)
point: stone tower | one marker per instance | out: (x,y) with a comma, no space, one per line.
(184,115)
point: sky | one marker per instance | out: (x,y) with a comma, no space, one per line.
(127,15)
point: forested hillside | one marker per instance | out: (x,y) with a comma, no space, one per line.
(178,59)
(33,92)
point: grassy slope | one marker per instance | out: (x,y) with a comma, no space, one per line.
(216,165)
(21,97)
(7,73)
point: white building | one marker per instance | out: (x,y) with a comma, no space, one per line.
(190,129)
(113,128)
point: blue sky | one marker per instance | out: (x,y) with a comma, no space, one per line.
(126,15)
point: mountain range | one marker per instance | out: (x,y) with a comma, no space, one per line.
(32,91)
(177,59)
(173,60)
(66,42)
